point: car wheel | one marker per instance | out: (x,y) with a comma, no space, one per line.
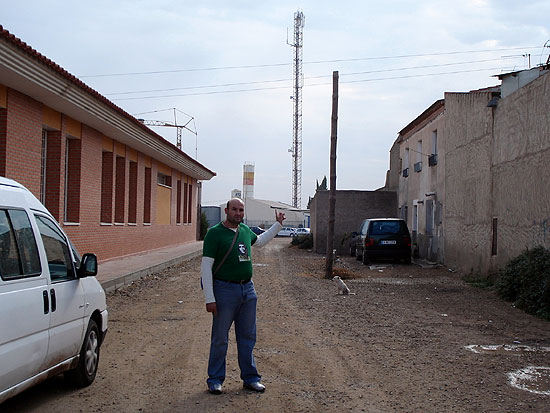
(365,259)
(351,251)
(407,260)
(84,374)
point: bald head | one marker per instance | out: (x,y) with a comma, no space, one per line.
(234,212)
(233,201)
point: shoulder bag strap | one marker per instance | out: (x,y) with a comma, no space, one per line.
(228,252)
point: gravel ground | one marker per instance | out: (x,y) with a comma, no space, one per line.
(408,339)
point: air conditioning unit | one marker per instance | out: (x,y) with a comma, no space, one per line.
(418,166)
(432,159)
(405,172)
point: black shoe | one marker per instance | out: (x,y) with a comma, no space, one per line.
(256,386)
(215,388)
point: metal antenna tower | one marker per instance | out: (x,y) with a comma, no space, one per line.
(296,149)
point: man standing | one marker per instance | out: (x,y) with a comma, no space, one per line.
(229,293)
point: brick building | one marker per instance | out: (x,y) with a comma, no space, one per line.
(115,186)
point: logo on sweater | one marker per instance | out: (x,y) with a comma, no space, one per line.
(243,253)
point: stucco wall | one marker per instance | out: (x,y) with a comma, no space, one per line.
(520,173)
(352,207)
(497,169)
(468,186)
(424,187)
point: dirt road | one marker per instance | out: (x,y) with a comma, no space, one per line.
(408,340)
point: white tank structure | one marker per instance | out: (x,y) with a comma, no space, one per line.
(248,184)
(236,193)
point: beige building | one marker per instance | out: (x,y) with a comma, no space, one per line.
(421,189)
(472,175)
(496,174)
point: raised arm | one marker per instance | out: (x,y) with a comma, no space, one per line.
(267,236)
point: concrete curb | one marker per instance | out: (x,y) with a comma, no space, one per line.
(126,279)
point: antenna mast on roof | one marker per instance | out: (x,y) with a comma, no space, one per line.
(179,127)
(296,149)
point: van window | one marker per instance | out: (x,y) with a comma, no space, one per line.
(57,250)
(18,251)
(386,227)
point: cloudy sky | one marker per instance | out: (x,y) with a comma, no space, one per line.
(227,65)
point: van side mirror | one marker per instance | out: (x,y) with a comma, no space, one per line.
(88,266)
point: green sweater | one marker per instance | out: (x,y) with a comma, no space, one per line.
(238,265)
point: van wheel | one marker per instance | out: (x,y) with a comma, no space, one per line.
(85,372)
(365,259)
(351,251)
(408,260)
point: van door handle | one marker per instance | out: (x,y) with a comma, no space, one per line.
(54,303)
(46,302)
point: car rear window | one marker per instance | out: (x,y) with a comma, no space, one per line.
(386,227)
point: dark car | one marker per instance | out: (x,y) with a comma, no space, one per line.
(257,230)
(387,238)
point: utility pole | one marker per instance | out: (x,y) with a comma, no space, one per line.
(296,149)
(329,260)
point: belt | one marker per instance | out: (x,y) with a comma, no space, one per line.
(234,281)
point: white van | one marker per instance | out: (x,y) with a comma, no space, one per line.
(53,312)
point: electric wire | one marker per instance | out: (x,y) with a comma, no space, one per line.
(310,85)
(307,63)
(306,78)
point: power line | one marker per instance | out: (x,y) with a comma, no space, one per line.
(306,78)
(156,72)
(310,85)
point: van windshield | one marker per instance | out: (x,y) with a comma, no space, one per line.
(386,227)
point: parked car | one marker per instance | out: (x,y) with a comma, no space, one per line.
(302,231)
(53,312)
(387,238)
(287,232)
(257,230)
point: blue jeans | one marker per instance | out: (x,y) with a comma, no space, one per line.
(235,303)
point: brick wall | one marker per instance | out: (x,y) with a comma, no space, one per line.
(3,127)
(24,140)
(91,197)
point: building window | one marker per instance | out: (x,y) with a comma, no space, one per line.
(432,159)
(72,180)
(43,159)
(132,193)
(494,240)
(120,188)
(190,207)
(147,197)
(185,201)
(164,180)
(406,163)
(178,202)
(107,187)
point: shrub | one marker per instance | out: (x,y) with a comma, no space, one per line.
(303,241)
(525,281)
(204,226)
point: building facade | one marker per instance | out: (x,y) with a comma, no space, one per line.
(498,202)
(115,186)
(421,193)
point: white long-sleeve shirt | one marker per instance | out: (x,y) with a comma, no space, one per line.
(207,263)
